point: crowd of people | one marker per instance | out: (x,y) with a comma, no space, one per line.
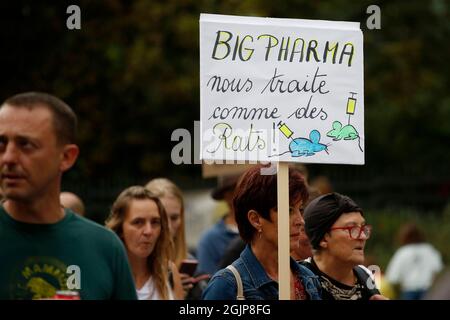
(50,248)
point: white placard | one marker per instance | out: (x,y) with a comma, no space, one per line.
(281,90)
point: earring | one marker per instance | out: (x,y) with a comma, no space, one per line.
(259,233)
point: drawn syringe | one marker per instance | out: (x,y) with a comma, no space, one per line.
(351,105)
(285,130)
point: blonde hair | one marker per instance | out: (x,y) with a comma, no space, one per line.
(163,187)
(158,260)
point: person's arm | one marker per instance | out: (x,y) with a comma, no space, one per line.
(206,255)
(187,283)
(221,287)
(177,285)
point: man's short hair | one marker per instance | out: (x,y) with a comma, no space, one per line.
(64,119)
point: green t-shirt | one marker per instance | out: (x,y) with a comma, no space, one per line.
(76,254)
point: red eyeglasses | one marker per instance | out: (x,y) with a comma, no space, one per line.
(355,231)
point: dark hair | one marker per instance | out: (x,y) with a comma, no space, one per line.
(258,192)
(321,213)
(410,233)
(64,119)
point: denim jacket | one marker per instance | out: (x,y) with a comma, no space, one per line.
(257,284)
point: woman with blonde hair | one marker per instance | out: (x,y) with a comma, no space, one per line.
(172,200)
(139,219)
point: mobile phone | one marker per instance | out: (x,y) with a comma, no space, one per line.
(188,266)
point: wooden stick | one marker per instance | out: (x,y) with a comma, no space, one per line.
(284,270)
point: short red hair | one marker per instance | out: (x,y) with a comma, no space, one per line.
(258,192)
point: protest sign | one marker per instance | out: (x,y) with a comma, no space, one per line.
(281,90)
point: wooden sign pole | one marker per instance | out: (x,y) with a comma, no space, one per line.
(284,270)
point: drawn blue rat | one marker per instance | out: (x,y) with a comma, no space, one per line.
(306,147)
(347,132)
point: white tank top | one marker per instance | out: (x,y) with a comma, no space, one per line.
(149,291)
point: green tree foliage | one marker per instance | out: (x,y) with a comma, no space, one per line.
(132,75)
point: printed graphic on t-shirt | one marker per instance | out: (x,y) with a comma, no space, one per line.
(38,278)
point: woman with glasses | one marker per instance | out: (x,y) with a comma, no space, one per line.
(338,233)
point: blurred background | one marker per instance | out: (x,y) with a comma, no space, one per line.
(132,75)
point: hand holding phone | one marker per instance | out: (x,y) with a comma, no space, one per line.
(188,266)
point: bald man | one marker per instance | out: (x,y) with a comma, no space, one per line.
(71,201)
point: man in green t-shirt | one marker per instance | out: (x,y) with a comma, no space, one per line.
(45,248)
